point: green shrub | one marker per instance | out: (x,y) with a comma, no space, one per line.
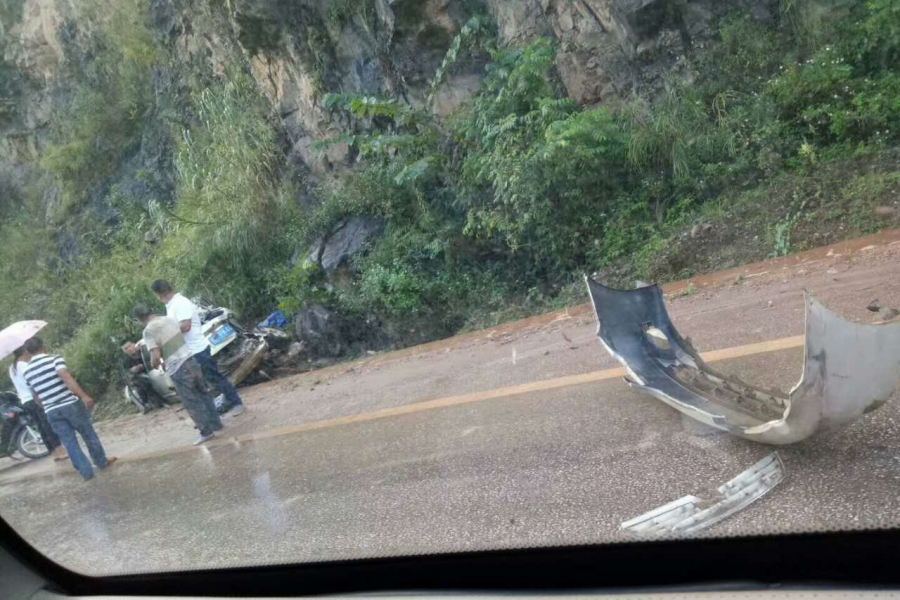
(874,38)
(748,54)
(538,175)
(863,194)
(342,11)
(824,100)
(105,294)
(394,289)
(298,285)
(811,21)
(231,212)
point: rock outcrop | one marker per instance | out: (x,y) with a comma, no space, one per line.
(320,330)
(349,238)
(298,50)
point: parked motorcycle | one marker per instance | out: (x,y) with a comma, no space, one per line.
(19,431)
(238,353)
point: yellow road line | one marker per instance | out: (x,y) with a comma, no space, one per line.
(515,390)
(495,394)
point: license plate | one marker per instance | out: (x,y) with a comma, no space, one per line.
(222,333)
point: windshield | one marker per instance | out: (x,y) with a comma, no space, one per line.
(293,281)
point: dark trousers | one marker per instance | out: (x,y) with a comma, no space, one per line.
(40,419)
(219,381)
(195,398)
(6,431)
(66,421)
(144,389)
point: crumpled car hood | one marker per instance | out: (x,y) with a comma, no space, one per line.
(849,369)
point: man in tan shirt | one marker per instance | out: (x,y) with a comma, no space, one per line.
(165,341)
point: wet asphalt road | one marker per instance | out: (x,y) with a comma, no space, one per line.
(547,468)
(555,467)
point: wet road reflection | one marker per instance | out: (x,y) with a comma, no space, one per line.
(563,466)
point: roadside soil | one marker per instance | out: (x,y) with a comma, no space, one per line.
(834,201)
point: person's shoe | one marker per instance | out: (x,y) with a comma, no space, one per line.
(237,410)
(88,478)
(204,438)
(110,461)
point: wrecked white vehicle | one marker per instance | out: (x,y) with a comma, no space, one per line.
(238,353)
(849,369)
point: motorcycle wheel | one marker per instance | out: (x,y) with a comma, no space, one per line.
(132,396)
(29,442)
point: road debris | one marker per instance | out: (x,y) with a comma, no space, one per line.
(849,369)
(873,306)
(691,514)
(889,314)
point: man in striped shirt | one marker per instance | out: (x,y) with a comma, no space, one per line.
(66,406)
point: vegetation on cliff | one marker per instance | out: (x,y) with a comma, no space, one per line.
(785,135)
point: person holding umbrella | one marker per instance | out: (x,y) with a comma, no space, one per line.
(12,340)
(14,337)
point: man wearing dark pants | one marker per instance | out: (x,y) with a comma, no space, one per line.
(165,341)
(185,313)
(66,406)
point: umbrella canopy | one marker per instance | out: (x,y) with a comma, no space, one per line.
(17,334)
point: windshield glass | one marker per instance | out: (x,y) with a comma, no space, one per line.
(291,281)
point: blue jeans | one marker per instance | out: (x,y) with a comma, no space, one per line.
(195,398)
(66,421)
(219,381)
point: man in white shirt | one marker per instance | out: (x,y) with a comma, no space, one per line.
(185,313)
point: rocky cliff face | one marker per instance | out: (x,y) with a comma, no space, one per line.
(300,49)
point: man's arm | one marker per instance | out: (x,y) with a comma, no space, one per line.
(183,312)
(185,325)
(155,358)
(75,388)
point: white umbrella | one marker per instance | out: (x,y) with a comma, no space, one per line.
(17,334)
